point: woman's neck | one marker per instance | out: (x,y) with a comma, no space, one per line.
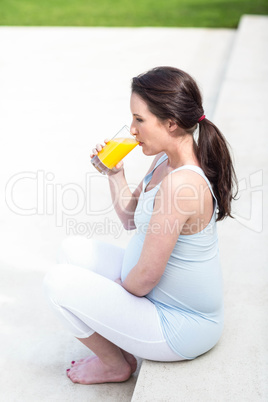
(180,151)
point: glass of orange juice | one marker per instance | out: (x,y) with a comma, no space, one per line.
(114,151)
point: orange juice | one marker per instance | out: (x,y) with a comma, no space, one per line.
(115,150)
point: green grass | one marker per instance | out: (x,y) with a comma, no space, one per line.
(129,13)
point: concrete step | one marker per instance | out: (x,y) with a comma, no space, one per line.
(237,368)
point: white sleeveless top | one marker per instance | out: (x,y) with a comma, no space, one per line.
(189,295)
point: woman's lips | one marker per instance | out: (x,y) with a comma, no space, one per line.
(140,143)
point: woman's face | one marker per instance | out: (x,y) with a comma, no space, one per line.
(148,129)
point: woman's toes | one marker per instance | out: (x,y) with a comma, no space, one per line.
(72,375)
(83,361)
(73,378)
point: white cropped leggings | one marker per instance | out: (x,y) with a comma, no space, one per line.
(82,292)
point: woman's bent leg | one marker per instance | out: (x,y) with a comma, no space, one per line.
(94,255)
(88,303)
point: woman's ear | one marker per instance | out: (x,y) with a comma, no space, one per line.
(172,126)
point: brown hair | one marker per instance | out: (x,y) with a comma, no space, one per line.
(171,93)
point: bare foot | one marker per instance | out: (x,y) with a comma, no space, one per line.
(129,358)
(96,372)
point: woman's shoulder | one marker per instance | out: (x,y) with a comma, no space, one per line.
(189,178)
(193,173)
(186,191)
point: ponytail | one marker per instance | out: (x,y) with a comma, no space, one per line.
(215,160)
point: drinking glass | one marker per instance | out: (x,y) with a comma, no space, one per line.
(114,151)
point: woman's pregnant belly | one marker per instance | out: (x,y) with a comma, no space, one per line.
(132,255)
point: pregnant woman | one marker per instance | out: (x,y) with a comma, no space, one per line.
(161,298)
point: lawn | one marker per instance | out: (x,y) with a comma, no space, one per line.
(129,13)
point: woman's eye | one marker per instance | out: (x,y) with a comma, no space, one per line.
(139,120)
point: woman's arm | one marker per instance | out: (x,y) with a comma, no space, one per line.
(125,201)
(174,204)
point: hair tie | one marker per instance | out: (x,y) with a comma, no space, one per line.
(201,118)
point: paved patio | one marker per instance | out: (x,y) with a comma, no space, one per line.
(64,89)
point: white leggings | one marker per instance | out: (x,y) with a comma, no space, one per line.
(82,291)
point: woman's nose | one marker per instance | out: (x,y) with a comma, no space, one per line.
(133,129)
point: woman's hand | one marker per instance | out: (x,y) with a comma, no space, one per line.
(98,148)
